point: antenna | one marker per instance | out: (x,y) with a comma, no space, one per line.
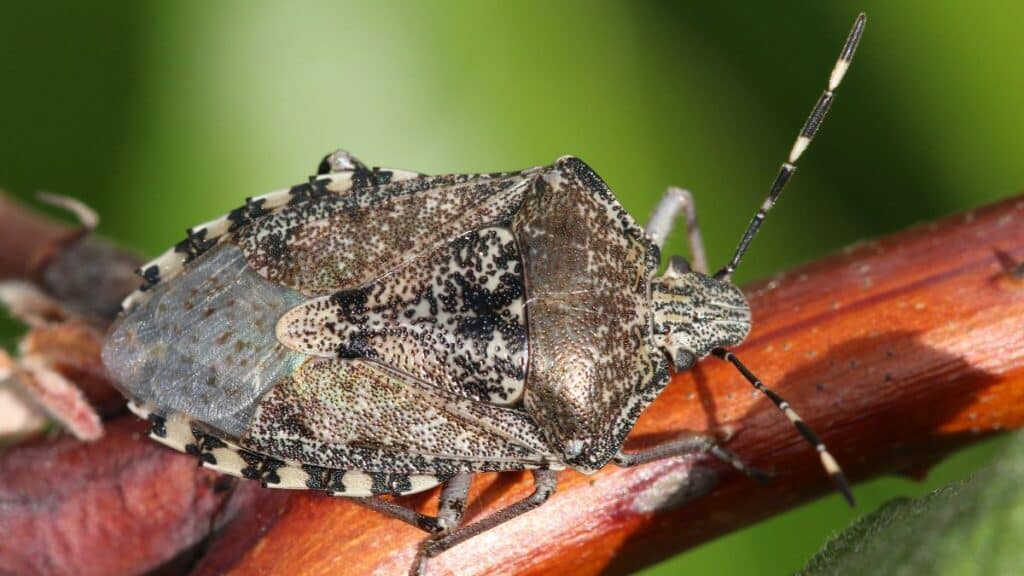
(803,140)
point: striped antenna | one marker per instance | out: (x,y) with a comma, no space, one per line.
(827,461)
(803,140)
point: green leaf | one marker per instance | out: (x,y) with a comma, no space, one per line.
(970,527)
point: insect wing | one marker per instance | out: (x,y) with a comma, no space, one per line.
(356,232)
(354,414)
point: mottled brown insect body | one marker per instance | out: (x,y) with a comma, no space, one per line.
(379,331)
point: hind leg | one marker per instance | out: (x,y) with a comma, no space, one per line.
(544,486)
(444,528)
(450,508)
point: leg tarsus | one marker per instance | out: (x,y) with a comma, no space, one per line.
(733,459)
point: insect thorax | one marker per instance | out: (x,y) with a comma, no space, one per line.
(695,313)
(593,366)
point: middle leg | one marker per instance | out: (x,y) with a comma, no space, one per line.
(544,486)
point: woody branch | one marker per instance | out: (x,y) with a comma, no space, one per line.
(897,351)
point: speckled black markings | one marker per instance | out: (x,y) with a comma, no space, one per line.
(380,331)
(355,415)
(387,483)
(439,270)
(158,426)
(195,244)
(255,208)
(239,217)
(253,464)
(202,445)
(373,177)
(696,314)
(454,319)
(335,482)
(252,210)
(326,479)
(150,276)
(345,240)
(592,362)
(260,467)
(268,471)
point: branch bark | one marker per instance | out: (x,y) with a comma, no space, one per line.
(25,237)
(897,351)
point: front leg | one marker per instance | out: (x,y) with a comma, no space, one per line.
(674,201)
(687,444)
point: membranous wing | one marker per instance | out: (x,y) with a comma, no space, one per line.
(203,344)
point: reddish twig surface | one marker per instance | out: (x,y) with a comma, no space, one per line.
(896,351)
(25,237)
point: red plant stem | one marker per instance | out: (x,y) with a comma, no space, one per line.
(25,237)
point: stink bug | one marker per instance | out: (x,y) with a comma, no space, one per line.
(381,331)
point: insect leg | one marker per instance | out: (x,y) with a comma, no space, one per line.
(339,161)
(686,444)
(449,514)
(827,461)
(453,502)
(674,201)
(88,219)
(449,511)
(544,486)
(399,512)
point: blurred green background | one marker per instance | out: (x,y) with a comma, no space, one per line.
(163,114)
